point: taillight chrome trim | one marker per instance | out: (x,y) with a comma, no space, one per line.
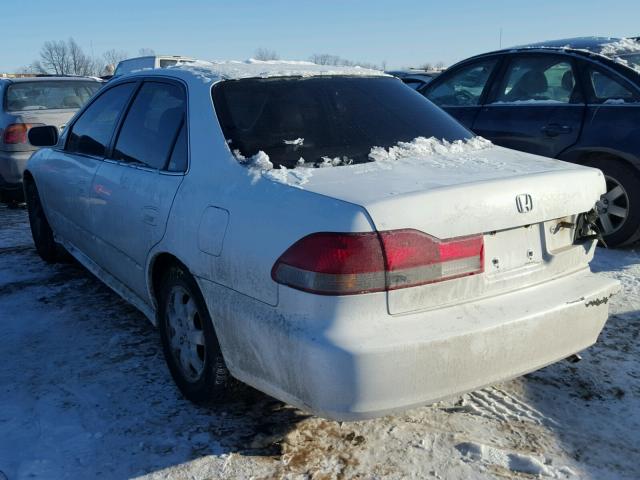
(329,283)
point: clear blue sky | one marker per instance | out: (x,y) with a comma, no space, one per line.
(400,32)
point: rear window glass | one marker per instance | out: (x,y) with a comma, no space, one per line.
(297,120)
(167,63)
(49,95)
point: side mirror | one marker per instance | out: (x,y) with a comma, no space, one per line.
(45,136)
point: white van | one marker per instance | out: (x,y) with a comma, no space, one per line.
(152,61)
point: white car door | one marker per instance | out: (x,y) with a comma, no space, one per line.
(135,186)
(67,189)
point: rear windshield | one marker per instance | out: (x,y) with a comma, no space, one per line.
(49,95)
(167,63)
(296,120)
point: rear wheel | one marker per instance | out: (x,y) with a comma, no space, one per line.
(40,229)
(619,216)
(189,342)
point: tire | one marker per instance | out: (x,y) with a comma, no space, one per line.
(41,232)
(623,193)
(189,341)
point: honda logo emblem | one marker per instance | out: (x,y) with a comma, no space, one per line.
(524,202)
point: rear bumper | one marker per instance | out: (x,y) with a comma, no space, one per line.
(12,165)
(359,365)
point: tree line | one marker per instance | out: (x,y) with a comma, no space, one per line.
(66,57)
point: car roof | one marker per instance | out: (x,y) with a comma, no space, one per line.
(210,72)
(593,44)
(49,78)
(605,48)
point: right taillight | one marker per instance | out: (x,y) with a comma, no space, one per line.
(16,133)
(351,263)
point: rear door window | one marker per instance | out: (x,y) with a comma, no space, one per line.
(152,126)
(464,87)
(92,132)
(539,79)
(607,90)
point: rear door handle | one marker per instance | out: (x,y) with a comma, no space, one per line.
(150,215)
(555,129)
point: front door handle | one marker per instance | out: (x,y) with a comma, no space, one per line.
(555,129)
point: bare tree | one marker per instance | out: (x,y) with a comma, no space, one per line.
(266,54)
(81,63)
(146,52)
(328,59)
(325,59)
(54,58)
(61,57)
(427,66)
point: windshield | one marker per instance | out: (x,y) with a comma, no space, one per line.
(309,120)
(49,95)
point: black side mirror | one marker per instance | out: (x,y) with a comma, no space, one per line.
(45,136)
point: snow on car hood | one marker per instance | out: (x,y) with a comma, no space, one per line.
(252,68)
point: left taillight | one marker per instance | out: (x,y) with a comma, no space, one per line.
(330,263)
(16,133)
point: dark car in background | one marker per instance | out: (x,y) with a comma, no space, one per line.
(576,100)
(414,78)
(27,102)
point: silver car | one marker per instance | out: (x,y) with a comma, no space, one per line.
(30,101)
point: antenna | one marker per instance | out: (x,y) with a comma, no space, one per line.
(500,37)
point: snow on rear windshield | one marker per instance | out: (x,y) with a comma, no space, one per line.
(326,121)
(49,95)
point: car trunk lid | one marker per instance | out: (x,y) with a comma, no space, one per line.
(524,207)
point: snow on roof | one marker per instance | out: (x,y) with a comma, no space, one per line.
(232,70)
(622,46)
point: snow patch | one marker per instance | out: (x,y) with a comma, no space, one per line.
(297,141)
(616,51)
(439,153)
(512,461)
(335,162)
(210,72)
(260,166)
(528,102)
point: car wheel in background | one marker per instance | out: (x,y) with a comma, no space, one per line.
(40,230)
(189,342)
(619,216)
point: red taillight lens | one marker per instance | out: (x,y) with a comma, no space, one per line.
(415,258)
(351,263)
(333,264)
(16,133)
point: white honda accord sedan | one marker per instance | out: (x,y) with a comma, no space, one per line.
(324,234)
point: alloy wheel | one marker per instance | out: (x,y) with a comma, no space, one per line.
(186,335)
(614,208)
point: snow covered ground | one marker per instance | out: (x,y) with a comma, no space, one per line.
(84,393)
